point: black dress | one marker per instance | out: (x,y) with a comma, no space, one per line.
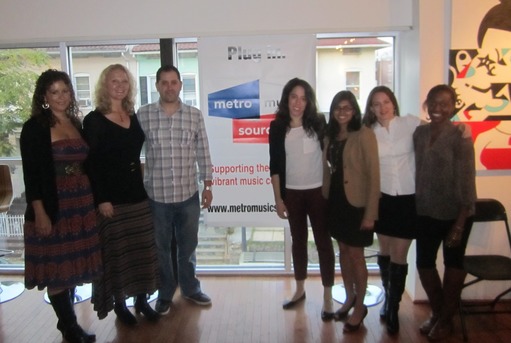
(344,220)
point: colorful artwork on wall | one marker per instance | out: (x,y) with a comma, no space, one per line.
(480,72)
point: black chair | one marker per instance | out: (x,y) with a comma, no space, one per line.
(487,267)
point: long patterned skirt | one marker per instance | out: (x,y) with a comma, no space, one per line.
(129,256)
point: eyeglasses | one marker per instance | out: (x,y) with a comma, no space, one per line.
(344,109)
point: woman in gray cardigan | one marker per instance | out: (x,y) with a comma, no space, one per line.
(445,200)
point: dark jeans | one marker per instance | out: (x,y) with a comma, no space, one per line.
(430,233)
(300,204)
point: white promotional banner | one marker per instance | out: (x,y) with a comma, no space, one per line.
(241,84)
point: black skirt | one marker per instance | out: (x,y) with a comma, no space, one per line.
(344,219)
(397,216)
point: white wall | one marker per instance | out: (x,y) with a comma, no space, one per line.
(27,21)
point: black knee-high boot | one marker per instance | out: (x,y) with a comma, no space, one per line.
(397,276)
(67,324)
(383,263)
(141,306)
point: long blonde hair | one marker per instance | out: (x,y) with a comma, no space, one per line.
(102,99)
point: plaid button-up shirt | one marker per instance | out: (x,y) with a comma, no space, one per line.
(175,146)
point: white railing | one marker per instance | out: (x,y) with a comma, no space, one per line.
(11,225)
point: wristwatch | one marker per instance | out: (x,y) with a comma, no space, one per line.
(207,188)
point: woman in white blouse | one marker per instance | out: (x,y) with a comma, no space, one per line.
(397,215)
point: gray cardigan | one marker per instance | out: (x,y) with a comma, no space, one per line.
(445,173)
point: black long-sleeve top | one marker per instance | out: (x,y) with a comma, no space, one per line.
(38,169)
(113,164)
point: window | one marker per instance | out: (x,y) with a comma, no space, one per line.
(354,63)
(83,94)
(357,64)
(88,61)
(148,92)
(353,83)
(189,91)
(20,69)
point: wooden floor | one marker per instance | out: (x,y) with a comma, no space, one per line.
(245,309)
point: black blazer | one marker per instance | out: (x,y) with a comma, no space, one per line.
(277,139)
(38,168)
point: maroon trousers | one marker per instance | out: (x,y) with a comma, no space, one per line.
(310,203)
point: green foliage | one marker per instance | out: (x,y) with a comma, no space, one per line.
(19,70)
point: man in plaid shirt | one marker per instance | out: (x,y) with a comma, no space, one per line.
(176,148)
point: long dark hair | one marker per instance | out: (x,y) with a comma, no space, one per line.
(355,123)
(311,120)
(43,84)
(369,116)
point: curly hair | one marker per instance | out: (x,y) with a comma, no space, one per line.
(311,120)
(355,123)
(369,116)
(102,99)
(43,84)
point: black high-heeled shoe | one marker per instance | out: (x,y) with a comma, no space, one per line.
(141,306)
(341,315)
(124,314)
(327,316)
(354,327)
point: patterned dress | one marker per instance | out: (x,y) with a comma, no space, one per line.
(70,255)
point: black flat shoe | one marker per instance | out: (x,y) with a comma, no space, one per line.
(354,327)
(341,315)
(291,303)
(327,316)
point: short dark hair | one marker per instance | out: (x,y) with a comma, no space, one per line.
(165,69)
(433,92)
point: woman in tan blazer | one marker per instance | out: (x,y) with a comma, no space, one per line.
(352,185)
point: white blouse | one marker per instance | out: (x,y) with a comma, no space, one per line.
(304,166)
(396,153)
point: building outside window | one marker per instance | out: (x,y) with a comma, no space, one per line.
(83,91)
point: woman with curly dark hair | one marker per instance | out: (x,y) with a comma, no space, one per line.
(296,138)
(61,239)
